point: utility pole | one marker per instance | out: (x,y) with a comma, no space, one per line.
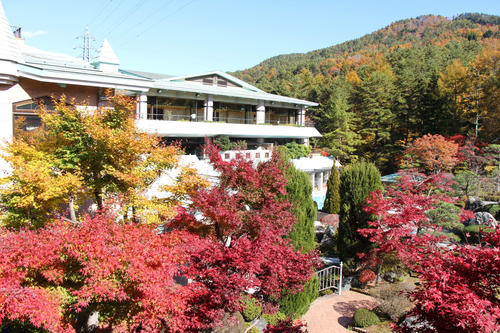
(86,45)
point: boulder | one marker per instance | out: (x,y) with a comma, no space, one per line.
(484,218)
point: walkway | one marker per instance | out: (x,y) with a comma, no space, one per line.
(332,313)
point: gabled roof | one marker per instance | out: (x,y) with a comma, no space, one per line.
(225,75)
(9,49)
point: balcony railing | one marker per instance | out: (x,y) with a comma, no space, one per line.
(228,120)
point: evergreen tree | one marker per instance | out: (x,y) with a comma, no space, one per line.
(332,200)
(299,193)
(356,183)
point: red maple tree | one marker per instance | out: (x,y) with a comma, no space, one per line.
(459,282)
(237,230)
(123,271)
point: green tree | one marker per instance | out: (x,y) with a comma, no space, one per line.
(299,193)
(337,122)
(332,200)
(356,182)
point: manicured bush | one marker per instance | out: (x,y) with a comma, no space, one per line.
(295,150)
(365,317)
(332,200)
(393,300)
(251,308)
(357,181)
(274,318)
(296,305)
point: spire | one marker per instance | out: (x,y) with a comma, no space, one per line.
(107,60)
(9,49)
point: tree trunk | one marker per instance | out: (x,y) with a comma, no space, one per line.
(98,199)
(87,322)
(71,206)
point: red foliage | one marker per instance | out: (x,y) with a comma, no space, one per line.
(459,282)
(367,275)
(238,228)
(97,262)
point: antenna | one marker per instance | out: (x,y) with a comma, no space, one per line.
(86,46)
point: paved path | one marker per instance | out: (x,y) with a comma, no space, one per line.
(332,313)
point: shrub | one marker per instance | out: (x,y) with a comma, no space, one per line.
(392,299)
(357,181)
(332,200)
(274,318)
(365,317)
(475,233)
(251,308)
(326,292)
(366,276)
(296,305)
(493,210)
(295,150)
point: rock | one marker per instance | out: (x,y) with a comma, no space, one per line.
(484,218)
(473,204)
(390,277)
(319,227)
(347,283)
(417,324)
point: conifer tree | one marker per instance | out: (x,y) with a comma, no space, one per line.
(299,193)
(357,181)
(332,200)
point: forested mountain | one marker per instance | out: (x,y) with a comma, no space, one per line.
(424,75)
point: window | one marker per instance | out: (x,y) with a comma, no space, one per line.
(267,155)
(221,82)
(248,156)
(208,81)
(257,155)
(227,156)
(24,114)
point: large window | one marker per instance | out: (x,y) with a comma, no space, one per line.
(24,114)
(234,113)
(281,116)
(164,108)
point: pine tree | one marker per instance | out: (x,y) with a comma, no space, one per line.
(332,200)
(299,193)
(357,181)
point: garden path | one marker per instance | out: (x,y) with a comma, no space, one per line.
(332,313)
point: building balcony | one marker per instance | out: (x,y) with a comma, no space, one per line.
(189,126)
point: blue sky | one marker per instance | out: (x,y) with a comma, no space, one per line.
(190,36)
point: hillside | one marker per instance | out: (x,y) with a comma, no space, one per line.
(420,31)
(428,74)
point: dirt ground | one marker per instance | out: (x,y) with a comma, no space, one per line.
(332,313)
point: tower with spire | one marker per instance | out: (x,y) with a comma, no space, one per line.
(107,61)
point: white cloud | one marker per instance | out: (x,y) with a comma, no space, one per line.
(31,34)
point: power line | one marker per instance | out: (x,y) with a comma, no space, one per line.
(113,9)
(145,19)
(139,3)
(100,12)
(163,19)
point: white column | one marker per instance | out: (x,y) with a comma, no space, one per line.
(142,106)
(302,115)
(209,108)
(261,113)
(6,125)
(305,141)
(312,179)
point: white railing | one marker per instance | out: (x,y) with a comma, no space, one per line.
(330,278)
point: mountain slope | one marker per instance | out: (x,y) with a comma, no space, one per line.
(420,31)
